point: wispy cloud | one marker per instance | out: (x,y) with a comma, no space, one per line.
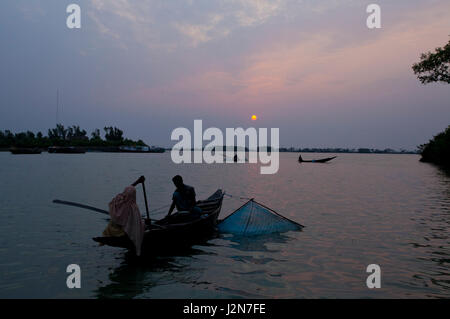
(127,22)
(153,22)
(32,11)
(200,33)
(319,66)
(255,12)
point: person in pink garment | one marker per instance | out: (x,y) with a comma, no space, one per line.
(125,213)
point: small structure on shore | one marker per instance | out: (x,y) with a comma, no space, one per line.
(141,149)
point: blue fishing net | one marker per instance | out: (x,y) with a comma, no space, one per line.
(255,219)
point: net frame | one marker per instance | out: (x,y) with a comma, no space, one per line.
(253,202)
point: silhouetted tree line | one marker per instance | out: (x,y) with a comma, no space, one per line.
(70,136)
(437,150)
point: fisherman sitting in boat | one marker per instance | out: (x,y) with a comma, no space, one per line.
(184,199)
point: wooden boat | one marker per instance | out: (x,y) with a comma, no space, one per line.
(65,150)
(176,230)
(25,150)
(323,160)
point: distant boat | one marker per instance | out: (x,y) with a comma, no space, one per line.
(323,160)
(65,150)
(25,150)
(141,149)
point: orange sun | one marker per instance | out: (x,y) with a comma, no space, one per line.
(254,117)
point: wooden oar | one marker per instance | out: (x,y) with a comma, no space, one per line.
(145,198)
(99,210)
(95,209)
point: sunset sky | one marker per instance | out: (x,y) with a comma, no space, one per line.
(311,68)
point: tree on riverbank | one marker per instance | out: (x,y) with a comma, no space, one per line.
(434,67)
(438,149)
(71,136)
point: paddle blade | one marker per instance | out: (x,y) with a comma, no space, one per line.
(67,203)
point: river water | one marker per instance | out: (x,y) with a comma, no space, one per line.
(359,209)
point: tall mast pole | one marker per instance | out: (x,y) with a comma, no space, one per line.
(57,105)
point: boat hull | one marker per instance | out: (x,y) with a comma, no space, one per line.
(66,150)
(323,160)
(19,151)
(174,232)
